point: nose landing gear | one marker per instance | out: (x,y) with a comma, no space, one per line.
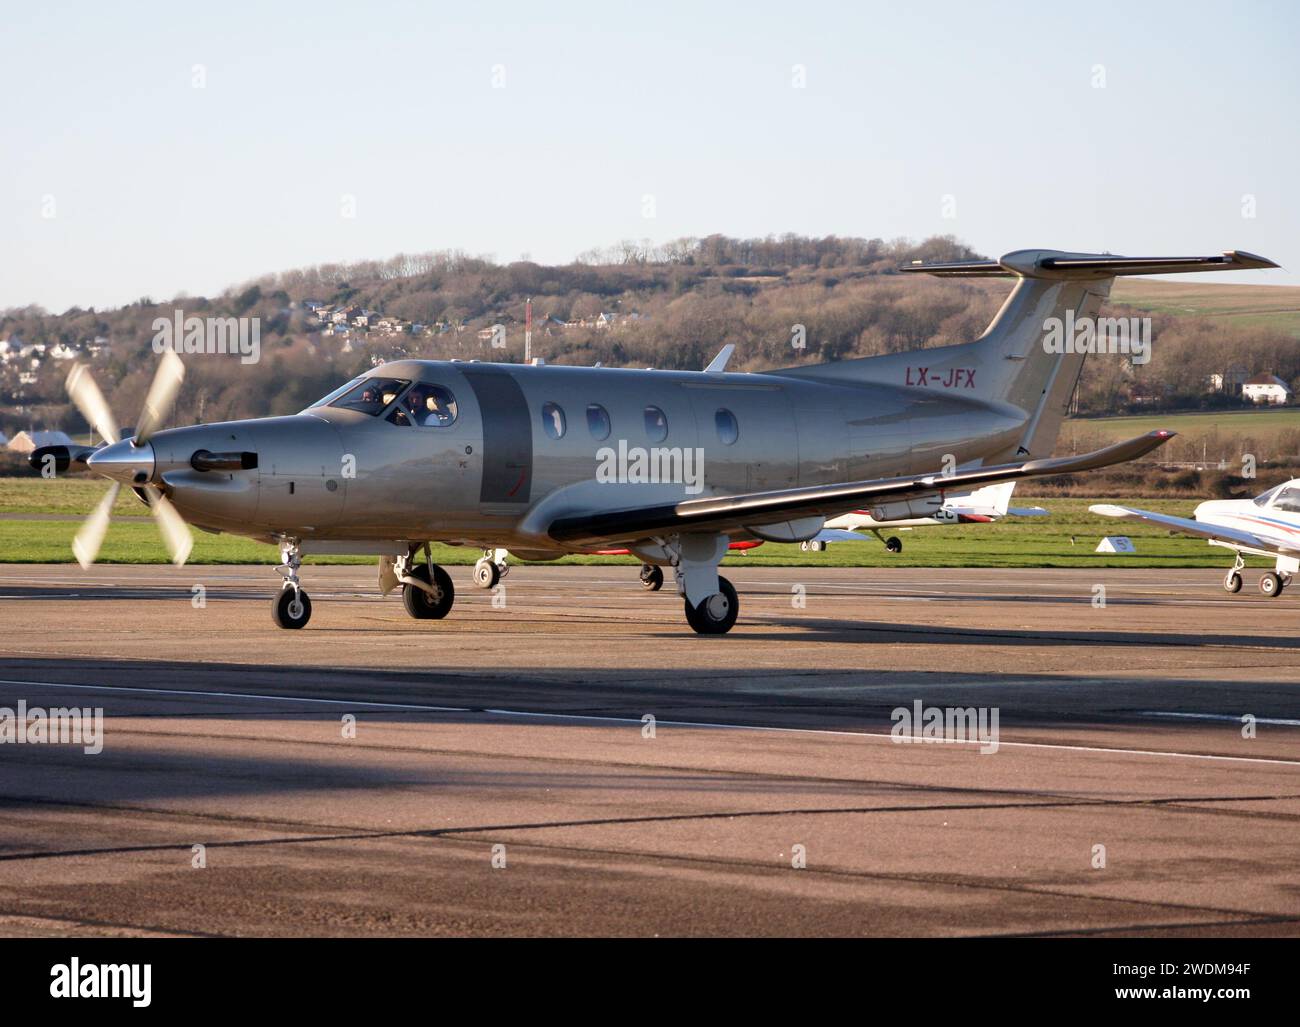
(292,607)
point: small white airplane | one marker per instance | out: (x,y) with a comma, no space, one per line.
(1267,526)
(974,506)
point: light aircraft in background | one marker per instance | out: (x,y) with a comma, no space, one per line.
(507,456)
(1268,526)
(976,506)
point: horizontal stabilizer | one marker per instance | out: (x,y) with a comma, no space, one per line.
(1055,264)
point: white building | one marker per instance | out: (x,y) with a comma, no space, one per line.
(1266,388)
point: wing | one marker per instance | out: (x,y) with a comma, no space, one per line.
(731,514)
(1218,533)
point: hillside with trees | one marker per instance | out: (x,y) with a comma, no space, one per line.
(669,306)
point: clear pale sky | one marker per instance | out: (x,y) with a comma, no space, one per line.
(159,188)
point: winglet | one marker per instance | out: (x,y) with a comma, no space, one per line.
(719,363)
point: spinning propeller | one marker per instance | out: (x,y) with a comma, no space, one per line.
(118,459)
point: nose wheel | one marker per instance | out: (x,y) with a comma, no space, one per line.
(652,577)
(292,608)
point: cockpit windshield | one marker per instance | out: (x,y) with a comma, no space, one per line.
(1288,499)
(330,397)
(371,395)
(1263,500)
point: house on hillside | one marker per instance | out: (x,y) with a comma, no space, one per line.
(1266,388)
(1229,381)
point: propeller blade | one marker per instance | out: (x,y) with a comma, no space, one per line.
(175,533)
(90,401)
(162,394)
(85,547)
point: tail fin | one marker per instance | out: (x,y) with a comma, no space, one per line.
(1010,364)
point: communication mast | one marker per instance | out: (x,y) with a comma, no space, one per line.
(528,331)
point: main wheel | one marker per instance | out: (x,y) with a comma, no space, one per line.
(1270,584)
(1232,582)
(422,606)
(716,614)
(894,544)
(292,608)
(652,577)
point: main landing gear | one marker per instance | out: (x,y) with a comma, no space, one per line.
(894,544)
(491,567)
(1271,583)
(710,601)
(652,577)
(427,591)
(716,614)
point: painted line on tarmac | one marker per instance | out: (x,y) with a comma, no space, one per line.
(1235,718)
(1258,760)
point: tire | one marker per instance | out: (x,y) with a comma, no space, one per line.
(422,606)
(1270,584)
(817,547)
(652,577)
(803,546)
(1232,583)
(486,574)
(894,544)
(292,608)
(705,618)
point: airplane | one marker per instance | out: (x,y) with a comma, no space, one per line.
(515,456)
(976,506)
(1268,526)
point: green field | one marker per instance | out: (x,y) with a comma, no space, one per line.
(1260,424)
(1275,307)
(1065,539)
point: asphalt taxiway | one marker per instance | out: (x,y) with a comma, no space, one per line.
(503,778)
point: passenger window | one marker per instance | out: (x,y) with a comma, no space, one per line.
(598,422)
(553,420)
(656,424)
(728,429)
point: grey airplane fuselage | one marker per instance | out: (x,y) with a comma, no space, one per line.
(495,475)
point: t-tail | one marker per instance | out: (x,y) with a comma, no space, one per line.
(1026,358)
